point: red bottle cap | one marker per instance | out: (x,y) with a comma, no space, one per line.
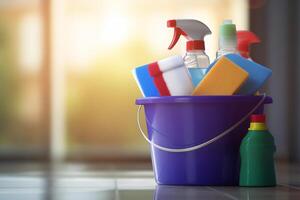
(258,118)
(195,45)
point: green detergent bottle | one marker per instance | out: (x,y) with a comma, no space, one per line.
(257,155)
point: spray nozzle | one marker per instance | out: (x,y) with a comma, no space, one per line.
(245,39)
(177,32)
(193,30)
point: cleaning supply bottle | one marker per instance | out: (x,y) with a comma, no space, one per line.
(257,150)
(227,39)
(195,58)
(244,40)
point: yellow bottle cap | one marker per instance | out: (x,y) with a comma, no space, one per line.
(257,126)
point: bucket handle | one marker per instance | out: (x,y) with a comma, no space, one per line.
(199,146)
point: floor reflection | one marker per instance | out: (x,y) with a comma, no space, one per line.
(185,193)
(81,182)
(280,192)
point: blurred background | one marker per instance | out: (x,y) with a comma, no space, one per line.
(66,86)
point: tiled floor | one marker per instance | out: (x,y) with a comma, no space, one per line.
(89,182)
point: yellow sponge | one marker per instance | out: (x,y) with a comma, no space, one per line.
(224,78)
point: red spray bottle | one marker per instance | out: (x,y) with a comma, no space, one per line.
(245,39)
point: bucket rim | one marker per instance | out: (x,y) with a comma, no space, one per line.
(202,99)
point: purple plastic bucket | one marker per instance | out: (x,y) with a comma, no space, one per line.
(183,122)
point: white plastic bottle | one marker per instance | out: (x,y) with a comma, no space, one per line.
(195,58)
(227,39)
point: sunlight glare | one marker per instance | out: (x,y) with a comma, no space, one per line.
(115,27)
(30,53)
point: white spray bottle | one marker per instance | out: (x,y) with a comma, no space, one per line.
(195,58)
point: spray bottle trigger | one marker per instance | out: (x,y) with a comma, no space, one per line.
(177,33)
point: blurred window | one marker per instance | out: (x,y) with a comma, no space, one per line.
(22,115)
(105,40)
(95,45)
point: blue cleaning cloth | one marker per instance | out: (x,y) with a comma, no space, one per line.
(145,81)
(258,74)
